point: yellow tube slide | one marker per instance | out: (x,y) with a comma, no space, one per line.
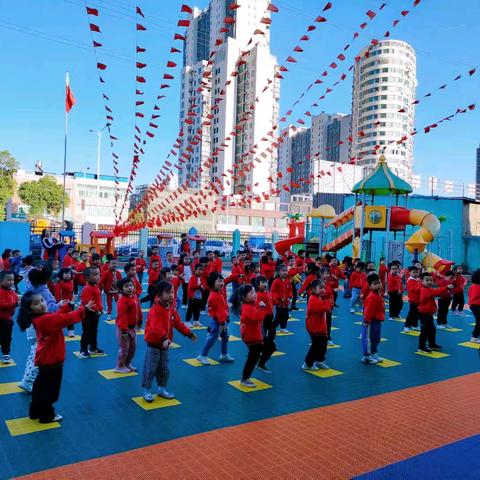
(430,228)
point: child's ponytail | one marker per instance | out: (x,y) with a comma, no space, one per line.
(24,316)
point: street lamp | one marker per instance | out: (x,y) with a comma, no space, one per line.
(99,135)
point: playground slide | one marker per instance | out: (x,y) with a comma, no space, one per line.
(296,235)
(429,228)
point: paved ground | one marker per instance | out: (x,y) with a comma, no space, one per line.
(299,426)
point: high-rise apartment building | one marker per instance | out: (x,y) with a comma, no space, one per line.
(245,100)
(325,140)
(382,106)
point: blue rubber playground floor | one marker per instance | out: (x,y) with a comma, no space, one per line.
(100,417)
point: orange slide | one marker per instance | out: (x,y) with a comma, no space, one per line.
(296,235)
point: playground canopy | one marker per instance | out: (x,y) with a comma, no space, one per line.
(382,181)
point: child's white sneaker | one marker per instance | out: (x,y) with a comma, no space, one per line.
(71,333)
(441,327)
(109,317)
(284,330)
(475,340)
(147,396)
(203,360)
(313,368)
(322,365)
(163,393)
(376,357)
(248,383)
(121,370)
(189,324)
(368,360)
(406,330)
(226,358)
(6,359)
(197,324)
(330,343)
(352,310)
(57,418)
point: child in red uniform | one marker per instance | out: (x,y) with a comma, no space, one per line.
(78,278)
(281,295)
(268,327)
(153,274)
(50,353)
(427,308)
(162,319)
(129,317)
(251,319)
(474,302)
(176,281)
(217,262)
(313,273)
(155,257)
(218,311)
(328,296)
(238,278)
(295,271)
(444,300)
(395,289)
(131,273)
(185,272)
(140,265)
(316,324)
(91,293)
(8,302)
(356,281)
(414,285)
(64,291)
(373,316)
(459,283)
(68,258)
(383,273)
(336,275)
(108,282)
(195,288)
(267,267)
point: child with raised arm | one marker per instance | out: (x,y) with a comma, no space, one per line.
(8,303)
(458,300)
(153,274)
(195,288)
(91,295)
(373,316)
(162,319)
(218,312)
(50,352)
(251,319)
(131,273)
(129,318)
(427,308)
(64,291)
(108,282)
(281,295)
(265,303)
(445,300)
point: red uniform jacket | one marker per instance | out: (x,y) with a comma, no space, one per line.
(160,324)
(238,274)
(153,277)
(328,296)
(129,312)
(78,277)
(316,319)
(266,298)
(50,339)
(357,279)
(108,281)
(459,284)
(267,270)
(337,275)
(194,285)
(137,285)
(92,292)
(373,307)
(251,319)
(383,273)
(413,289)
(427,299)
(218,265)
(154,258)
(64,290)
(443,282)
(67,261)
(218,307)
(8,302)
(306,283)
(140,264)
(281,292)
(474,294)
(176,282)
(394,283)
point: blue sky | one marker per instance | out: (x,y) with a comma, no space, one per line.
(41,40)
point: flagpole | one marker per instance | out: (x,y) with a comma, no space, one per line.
(65,157)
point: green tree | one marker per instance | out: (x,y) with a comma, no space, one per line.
(43,196)
(8,168)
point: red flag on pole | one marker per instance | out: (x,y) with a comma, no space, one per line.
(69,98)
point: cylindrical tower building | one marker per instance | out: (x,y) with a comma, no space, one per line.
(382,106)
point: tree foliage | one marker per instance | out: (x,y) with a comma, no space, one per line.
(43,196)
(8,168)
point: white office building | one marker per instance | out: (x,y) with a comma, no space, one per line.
(382,106)
(238,94)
